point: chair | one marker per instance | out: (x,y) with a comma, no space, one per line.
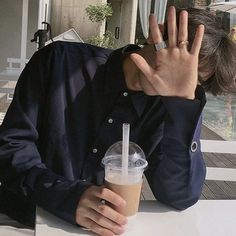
(70,35)
(10,75)
(219,146)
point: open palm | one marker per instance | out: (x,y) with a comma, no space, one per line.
(175,68)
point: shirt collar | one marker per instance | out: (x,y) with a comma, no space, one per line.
(115,78)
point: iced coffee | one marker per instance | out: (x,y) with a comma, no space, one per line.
(129,192)
(127,185)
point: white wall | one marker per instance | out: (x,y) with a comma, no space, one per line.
(125,17)
(10,29)
(32,26)
(128,21)
(66,14)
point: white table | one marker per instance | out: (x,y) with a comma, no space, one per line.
(206,218)
(10,227)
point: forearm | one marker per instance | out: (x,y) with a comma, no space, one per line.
(42,187)
(176,169)
(55,193)
(22,171)
(178,180)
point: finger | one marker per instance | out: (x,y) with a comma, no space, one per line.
(154,29)
(108,212)
(111,214)
(97,229)
(149,39)
(111,197)
(142,64)
(183,27)
(105,222)
(197,42)
(161,28)
(172,28)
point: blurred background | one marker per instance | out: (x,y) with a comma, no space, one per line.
(27,25)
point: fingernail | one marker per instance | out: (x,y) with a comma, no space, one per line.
(119,229)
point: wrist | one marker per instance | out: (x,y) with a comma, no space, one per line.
(190,97)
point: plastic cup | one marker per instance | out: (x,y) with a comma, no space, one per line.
(128,185)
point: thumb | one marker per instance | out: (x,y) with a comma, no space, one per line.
(142,64)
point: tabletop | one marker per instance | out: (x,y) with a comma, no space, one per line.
(207,217)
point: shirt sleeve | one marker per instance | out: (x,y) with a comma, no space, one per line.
(177,170)
(21,169)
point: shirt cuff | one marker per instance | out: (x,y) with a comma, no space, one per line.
(182,116)
(54,193)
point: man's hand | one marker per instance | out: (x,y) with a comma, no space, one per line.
(101,218)
(174,70)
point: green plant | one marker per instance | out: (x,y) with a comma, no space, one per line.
(107,40)
(98,13)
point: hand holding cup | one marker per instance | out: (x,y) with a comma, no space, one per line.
(98,217)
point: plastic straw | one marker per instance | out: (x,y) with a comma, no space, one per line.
(160,10)
(125,149)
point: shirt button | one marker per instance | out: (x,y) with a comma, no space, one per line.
(95,150)
(110,121)
(125,94)
(194,146)
(48,185)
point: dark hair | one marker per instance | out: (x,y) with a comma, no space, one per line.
(218,51)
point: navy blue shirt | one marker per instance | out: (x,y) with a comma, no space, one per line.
(69,106)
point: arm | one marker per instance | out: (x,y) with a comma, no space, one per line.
(21,169)
(177,176)
(176,168)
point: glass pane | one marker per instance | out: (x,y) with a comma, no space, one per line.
(220,115)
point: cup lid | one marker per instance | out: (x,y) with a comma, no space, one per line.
(115,162)
(113,157)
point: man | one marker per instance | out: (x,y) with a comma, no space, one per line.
(69,106)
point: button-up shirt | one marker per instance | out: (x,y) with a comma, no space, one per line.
(68,108)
